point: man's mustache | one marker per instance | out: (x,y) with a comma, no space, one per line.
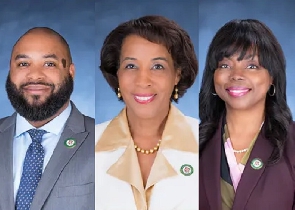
(37,83)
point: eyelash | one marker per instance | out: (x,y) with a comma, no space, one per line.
(25,64)
(130,66)
(53,64)
(251,65)
(22,64)
(155,67)
(222,66)
(158,65)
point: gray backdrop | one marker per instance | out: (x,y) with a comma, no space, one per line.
(85,26)
(73,19)
(109,14)
(278,15)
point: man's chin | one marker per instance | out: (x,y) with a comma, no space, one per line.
(36,104)
(36,100)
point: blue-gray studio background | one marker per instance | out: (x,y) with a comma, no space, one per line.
(74,20)
(85,24)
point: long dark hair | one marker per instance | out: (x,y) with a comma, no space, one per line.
(240,36)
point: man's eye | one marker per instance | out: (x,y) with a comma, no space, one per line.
(22,64)
(50,64)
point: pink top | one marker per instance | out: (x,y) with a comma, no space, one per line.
(236,169)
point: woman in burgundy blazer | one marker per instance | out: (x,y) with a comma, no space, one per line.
(247,147)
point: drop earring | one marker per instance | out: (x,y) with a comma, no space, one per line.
(119,94)
(176,93)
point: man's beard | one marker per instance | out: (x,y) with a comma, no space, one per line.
(38,111)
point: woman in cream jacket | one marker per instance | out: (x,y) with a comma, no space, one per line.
(147,156)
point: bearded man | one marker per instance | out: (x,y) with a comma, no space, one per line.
(47,145)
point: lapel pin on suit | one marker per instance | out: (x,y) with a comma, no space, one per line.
(256,163)
(70,143)
(187,170)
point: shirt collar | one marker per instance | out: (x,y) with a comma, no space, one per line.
(54,126)
(177,133)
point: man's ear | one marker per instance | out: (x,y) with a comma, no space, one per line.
(72,70)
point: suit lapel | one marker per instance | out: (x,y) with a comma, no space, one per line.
(262,149)
(178,149)
(109,188)
(75,129)
(210,169)
(7,130)
(187,186)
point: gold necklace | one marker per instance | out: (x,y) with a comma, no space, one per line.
(148,151)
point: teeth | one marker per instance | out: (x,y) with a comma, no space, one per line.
(238,91)
(143,98)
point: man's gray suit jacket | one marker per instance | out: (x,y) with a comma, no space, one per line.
(68,179)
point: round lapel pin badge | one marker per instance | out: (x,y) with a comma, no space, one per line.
(186,170)
(70,143)
(256,163)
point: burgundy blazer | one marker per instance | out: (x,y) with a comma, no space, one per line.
(269,188)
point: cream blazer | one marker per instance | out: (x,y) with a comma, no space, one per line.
(173,179)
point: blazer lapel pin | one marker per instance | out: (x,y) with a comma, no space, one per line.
(186,170)
(70,143)
(256,163)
